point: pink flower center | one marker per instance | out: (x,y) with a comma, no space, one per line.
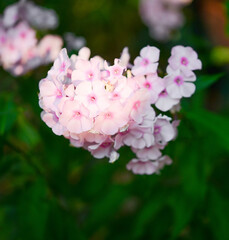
(90,75)
(116,71)
(157,130)
(62,67)
(23,35)
(163,93)
(136,105)
(147,85)
(108,115)
(115,96)
(58,93)
(77,114)
(184,61)
(179,80)
(92,98)
(145,62)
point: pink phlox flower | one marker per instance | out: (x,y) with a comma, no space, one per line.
(77,140)
(103,149)
(111,119)
(163,130)
(86,71)
(138,105)
(75,117)
(147,62)
(115,71)
(93,96)
(148,119)
(123,89)
(52,121)
(51,93)
(139,166)
(153,84)
(185,59)
(135,136)
(179,85)
(148,153)
(165,102)
(61,65)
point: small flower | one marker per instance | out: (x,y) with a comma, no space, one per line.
(147,62)
(75,117)
(142,167)
(185,59)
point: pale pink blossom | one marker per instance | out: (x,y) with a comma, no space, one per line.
(61,65)
(148,153)
(102,107)
(111,119)
(52,121)
(147,62)
(137,166)
(185,59)
(75,117)
(163,130)
(138,105)
(165,102)
(135,136)
(86,71)
(179,85)
(93,96)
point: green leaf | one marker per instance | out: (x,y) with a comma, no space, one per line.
(33,211)
(27,133)
(206,81)
(219,215)
(147,213)
(214,123)
(8,113)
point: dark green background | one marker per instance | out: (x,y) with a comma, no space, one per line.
(51,191)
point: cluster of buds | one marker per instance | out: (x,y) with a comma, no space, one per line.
(20,50)
(162,16)
(102,107)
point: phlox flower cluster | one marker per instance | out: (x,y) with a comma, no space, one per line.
(102,107)
(162,16)
(20,50)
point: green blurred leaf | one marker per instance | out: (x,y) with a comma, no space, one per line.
(214,123)
(8,113)
(183,208)
(146,214)
(33,211)
(219,215)
(27,133)
(205,81)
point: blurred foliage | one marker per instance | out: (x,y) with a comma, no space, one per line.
(49,190)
